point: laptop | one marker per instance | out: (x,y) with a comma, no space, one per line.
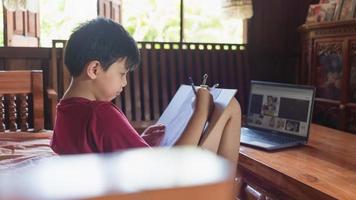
(278,116)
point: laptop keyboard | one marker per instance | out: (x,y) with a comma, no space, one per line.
(260,135)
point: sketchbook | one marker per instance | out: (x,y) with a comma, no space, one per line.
(178,112)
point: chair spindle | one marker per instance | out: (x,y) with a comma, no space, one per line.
(12,113)
(23,112)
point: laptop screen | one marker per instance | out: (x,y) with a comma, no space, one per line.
(280,107)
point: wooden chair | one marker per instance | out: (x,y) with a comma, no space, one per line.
(21,101)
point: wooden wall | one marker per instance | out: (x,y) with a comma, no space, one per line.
(164,66)
(273,40)
(273,52)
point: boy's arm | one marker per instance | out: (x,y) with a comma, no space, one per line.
(203,107)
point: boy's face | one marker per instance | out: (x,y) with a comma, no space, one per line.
(109,84)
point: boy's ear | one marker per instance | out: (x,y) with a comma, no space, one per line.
(93,69)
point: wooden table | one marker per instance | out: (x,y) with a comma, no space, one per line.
(323,169)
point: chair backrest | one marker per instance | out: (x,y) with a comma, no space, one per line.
(21,101)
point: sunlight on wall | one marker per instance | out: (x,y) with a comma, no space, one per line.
(60,17)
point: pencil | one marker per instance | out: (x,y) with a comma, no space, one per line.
(215,86)
(192,84)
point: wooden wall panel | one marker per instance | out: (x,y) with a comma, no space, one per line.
(21,28)
(273,40)
(164,66)
(110,9)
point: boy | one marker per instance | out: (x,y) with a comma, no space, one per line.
(99,55)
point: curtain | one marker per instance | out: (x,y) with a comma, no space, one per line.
(240,9)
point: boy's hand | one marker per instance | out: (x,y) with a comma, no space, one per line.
(204,101)
(154,134)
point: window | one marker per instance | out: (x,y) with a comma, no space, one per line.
(159,21)
(205,22)
(152,20)
(146,20)
(59,17)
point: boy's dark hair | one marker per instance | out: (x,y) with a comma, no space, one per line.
(103,40)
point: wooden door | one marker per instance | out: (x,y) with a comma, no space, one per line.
(21,28)
(110,9)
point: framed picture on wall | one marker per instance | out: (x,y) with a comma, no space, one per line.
(347,9)
(321,12)
(313,14)
(338,4)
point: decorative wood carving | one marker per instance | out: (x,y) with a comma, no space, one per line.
(329,48)
(329,59)
(332,31)
(329,67)
(23,112)
(328,29)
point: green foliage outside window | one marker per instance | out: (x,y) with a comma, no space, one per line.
(159,20)
(145,20)
(152,20)
(58,18)
(205,22)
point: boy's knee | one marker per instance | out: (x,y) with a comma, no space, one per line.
(234,106)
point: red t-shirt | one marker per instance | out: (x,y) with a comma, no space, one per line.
(84,126)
